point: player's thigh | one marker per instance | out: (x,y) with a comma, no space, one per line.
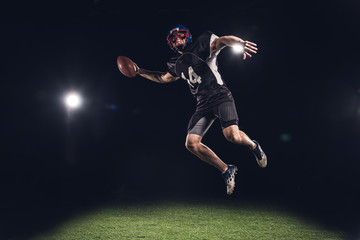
(200,123)
(227,114)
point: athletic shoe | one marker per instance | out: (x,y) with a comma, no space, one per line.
(229,177)
(259,155)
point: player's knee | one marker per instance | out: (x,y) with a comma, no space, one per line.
(234,138)
(192,145)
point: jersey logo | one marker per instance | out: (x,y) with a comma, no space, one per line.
(193,77)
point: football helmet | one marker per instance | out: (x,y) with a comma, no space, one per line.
(175,32)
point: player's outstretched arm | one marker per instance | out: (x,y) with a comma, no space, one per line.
(156,76)
(221,42)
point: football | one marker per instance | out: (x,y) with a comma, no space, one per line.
(126,66)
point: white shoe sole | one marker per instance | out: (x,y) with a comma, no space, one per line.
(263,162)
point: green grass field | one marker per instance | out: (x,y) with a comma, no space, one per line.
(186,220)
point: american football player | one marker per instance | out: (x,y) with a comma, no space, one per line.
(196,63)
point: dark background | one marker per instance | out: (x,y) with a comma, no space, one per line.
(299,97)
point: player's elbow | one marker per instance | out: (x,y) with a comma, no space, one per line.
(162,80)
(166,78)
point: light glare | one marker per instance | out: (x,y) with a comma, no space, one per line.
(73,100)
(238,48)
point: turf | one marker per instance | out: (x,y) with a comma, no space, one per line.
(185,220)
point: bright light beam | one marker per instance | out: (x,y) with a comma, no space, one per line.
(73,100)
(237,48)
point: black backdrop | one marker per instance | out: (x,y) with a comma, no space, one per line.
(299,96)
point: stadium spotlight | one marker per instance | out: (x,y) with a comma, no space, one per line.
(238,48)
(72,100)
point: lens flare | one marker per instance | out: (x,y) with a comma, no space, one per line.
(73,100)
(238,48)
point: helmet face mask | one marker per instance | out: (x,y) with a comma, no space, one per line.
(175,35)
(178,31)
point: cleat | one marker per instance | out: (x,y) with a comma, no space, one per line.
(260,156)
(229,177)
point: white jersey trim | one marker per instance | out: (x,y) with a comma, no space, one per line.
(212,61)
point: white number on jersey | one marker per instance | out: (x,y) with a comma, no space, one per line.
(193,77)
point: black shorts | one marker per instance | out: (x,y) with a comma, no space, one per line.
(201,121)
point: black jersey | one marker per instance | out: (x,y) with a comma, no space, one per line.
(199,68)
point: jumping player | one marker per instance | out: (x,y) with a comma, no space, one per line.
(196,63)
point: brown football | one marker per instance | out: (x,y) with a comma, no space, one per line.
(126,66)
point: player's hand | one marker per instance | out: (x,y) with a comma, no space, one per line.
(249,48)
